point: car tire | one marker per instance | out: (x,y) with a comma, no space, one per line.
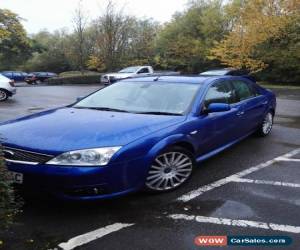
(170,169)
(267,124)
(3,95)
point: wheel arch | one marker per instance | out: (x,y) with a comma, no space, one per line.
(272,110)
(179,140)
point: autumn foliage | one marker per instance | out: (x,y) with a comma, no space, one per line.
(254,23)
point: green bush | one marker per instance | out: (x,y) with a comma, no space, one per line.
(9,203)
(79,79)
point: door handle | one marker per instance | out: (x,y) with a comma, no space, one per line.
(261,104)
(240,113)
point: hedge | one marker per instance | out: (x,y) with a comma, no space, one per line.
(9,204)
(77,73)
(80,79)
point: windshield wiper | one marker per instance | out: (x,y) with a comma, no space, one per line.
(104,109)
(157,113)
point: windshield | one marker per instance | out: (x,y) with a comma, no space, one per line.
(129,70)
(3,78)
(143,97)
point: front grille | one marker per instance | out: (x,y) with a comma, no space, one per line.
(13,154)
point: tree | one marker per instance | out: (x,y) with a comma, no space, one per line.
(253,23)
(141,48)
(185,42)
(51,53)
(112,32)
(282,55)
(14,44)
(79,52)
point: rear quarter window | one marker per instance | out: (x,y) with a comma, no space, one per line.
(243,90)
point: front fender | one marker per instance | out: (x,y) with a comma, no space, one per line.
(168,141)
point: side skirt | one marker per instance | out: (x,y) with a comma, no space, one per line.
(220,149)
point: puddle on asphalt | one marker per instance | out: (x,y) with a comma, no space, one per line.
(214,208)
(232,209)
(35,108)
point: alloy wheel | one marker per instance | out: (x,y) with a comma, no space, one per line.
(169,170)
(267,124)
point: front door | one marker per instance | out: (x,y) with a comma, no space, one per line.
(219,128)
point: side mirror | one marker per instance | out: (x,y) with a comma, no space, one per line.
(79,98)
(217,107)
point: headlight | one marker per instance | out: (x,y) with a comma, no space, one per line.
(86,157)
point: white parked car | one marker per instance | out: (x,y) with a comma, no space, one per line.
(126,73)
(7,88)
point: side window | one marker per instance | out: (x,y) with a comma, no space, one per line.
(253,89)
(220,93)
(143,70)
(243,91)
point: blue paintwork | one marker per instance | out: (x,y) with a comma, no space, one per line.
(142,137)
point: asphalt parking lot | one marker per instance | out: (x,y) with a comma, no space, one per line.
(251,189)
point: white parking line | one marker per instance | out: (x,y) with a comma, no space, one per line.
(91,236)
(288,159)
(275,183)
(195,193)
(237,223)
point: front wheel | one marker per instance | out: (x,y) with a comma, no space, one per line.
(3,95)
(170,169)
(267,124)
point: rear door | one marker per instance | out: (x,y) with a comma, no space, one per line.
(253,105)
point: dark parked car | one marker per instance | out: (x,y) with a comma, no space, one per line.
(15,75)
(37,77)
(140,133)
(228,72)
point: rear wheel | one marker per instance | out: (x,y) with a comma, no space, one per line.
(170,169)
(3,95)
(267,124)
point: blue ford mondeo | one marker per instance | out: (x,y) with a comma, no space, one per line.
(142,133)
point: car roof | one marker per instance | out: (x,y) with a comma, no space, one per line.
(196,79)
(10,71)
(178,79)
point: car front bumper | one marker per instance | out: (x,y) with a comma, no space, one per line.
(83,183)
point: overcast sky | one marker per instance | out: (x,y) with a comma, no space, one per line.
(56,14)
